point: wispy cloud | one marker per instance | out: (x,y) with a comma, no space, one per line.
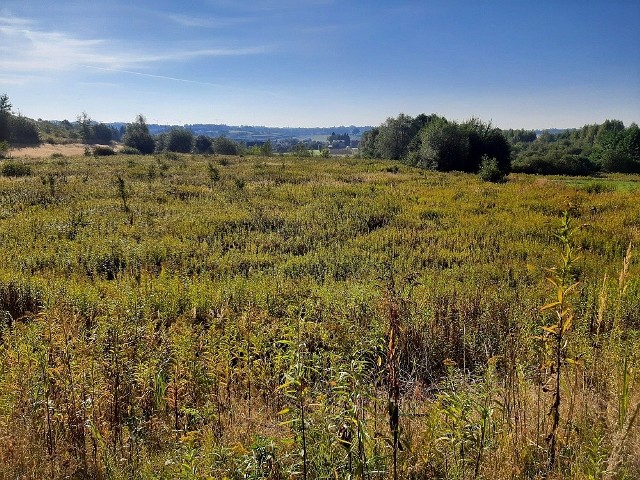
(26,49)
(206,21)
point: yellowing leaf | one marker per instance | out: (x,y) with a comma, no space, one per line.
(238,449)
(549,305)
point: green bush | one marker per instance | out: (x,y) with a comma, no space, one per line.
(4,149)
(490,172)
(14,169)
(102,151)
(126,150)
(598,187)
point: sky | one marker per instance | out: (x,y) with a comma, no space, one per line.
(304,63)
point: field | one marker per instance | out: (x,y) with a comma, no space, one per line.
(192,317)
(46,150)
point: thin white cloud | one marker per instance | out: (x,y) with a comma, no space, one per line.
(24,49)
(205,22)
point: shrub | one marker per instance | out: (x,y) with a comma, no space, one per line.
(551,164)
(598,187)
(103,151)
(14,169)
(126,150)
(4,148)
(490,172)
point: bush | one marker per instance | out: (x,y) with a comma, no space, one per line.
(490,172)
(4,149)
(598,187)
(14,169)
(102,151)
(126,150)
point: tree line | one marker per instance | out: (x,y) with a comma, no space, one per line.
(16,129)
(606,147)
(138,139)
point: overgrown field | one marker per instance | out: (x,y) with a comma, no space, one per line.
(183,317)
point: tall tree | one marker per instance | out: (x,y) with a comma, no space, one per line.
(444,146)
(368,142)
(137,136)
(102,134)
(394,137)
(85,128)
(5,114)
(486,140)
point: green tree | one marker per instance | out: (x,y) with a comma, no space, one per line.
(102,134)
(203,144)
(266,148)
(300,150)
(368,142)
(137,136)
(631,142)
(486,140)
(444,146)
(5,114)
(224,146)
(85,128)
(395,135)
(180,140)
(23,131)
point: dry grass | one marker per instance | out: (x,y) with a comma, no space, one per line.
(184,336)
(46,150)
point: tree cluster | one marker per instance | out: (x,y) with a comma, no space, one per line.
(607,147)
(344,137)
(93,133)
(433,142)
(137,136)
(16,129)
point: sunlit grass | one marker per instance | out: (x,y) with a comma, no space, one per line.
(163,322)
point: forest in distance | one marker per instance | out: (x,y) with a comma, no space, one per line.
(449,301)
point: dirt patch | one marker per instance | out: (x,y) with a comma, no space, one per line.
(46,150)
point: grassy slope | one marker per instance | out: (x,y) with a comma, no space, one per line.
(161,332)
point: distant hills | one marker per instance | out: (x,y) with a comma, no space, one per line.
(247,133)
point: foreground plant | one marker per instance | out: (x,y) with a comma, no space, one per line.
(555,333)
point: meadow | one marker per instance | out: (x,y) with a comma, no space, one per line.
(209,317)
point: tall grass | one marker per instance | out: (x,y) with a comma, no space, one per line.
(313,318)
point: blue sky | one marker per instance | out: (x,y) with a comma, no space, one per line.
(561,63)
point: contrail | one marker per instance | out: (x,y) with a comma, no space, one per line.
(175,79)
(163,77)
